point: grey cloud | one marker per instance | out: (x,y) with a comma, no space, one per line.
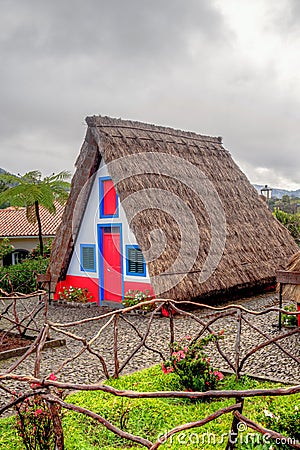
(170,62)
(285,17)
(133,29)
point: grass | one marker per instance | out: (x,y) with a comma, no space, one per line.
(150,417)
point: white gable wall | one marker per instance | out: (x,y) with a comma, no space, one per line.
(88,233)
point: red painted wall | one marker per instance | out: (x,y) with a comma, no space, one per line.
(83,282)
(93,286)
(138,286)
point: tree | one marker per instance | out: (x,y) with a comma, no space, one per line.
(290,221)
(5,247)
(3,187)
(32,191)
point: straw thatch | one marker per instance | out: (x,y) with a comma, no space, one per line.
(256,244)
(292,291)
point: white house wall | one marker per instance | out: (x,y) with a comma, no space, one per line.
(88,233)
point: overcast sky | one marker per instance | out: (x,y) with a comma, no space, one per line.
(220,67)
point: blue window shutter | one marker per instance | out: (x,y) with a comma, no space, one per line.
(88,257)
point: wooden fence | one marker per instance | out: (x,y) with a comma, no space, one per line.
(236,316)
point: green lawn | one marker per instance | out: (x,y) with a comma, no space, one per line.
(150,417)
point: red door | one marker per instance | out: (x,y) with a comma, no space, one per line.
(112,264)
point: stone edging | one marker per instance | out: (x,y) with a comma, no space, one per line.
(52,343)
(72,304)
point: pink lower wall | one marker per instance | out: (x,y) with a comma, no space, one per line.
(92,285)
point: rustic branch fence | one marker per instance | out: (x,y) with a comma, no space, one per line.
(237,315)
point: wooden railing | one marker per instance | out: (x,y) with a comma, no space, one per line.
(237,315)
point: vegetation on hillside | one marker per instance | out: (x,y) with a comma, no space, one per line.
(287,211)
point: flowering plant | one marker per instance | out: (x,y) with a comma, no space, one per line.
(134,297)
(74,294)
(288,319)
(189,361)
(35,420)
(36,252)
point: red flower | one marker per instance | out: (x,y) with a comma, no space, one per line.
(37,412)
(219,375)
(52,377)
(166,369)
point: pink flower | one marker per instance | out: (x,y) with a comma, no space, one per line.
(35,385)
(221,332)
(219,375)
(52,377)
(166,369)
(37,412)
(179,355)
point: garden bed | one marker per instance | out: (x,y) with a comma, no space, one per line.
(12,344)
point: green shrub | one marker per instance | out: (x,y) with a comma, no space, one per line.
(134,297)
(36,252)
(75,294)
(21,277)
(287,319)
(190,362)
(5,247)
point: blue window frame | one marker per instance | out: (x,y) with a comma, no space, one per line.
(109,199)
(88,257)
(135,263)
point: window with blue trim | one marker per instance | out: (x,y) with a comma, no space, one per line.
(135,263)
(108,198)
(88,257)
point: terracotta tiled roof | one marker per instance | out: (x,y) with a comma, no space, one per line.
(13,222)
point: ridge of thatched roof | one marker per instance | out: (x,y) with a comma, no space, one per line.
(256,243)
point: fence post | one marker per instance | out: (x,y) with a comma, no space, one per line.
(238,343)
(116,360)
(233,435)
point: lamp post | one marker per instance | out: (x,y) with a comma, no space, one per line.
(267,193)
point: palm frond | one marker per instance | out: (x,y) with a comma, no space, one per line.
(10,179)
(64,175)
(34,176)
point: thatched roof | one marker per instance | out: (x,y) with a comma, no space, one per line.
(212,214)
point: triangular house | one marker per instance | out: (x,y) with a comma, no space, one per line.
(166,210)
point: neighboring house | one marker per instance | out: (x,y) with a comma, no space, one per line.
(23,236)
(172,198)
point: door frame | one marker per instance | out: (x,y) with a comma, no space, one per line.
(101,262)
